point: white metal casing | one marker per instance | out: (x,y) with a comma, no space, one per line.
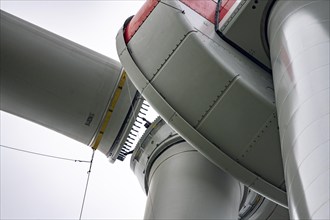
(248,17)
(209,93)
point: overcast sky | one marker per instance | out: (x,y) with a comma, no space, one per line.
(35,187)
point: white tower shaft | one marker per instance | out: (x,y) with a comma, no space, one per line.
(185,185)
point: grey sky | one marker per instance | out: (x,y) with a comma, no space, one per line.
(33,187)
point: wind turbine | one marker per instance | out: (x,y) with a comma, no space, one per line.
(220,81)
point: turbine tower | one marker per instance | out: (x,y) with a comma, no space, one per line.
(242,89)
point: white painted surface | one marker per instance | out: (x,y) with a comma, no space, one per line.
(34,187)
(299,44)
